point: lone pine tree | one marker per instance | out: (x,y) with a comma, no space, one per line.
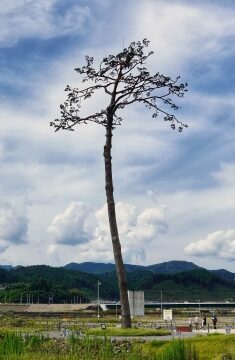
(125,80)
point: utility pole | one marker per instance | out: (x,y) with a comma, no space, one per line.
(161,306)
(98,298)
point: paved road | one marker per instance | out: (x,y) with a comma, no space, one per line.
(65,334)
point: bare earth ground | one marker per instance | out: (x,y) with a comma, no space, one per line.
(43,308)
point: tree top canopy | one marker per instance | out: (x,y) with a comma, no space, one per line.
(126,80)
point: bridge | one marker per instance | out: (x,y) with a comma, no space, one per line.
(176,305)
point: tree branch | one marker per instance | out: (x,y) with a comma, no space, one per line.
(126,80)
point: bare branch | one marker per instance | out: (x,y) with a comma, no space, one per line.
(125,79)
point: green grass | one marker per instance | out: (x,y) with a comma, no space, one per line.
(116,331)
(15,346)
(212,347)
(19,347)
(20,339)
(27,325)
(208,347)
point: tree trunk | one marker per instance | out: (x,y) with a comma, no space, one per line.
(122,283)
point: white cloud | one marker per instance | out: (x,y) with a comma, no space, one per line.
(72,227)
(184,31)
(149,224)
(217,244)
(226,175)
(3,246)
(136,230)
(57,170)
(51,249)
(29,18)
(13,225)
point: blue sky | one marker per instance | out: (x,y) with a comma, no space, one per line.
(174,192)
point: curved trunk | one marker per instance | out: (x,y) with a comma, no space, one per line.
(122,283)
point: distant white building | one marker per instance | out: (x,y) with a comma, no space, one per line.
(136,302)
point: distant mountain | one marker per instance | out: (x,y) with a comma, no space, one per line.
(169,267)
(100,268)
(188,285)
(6,267)
(64,285)
(91,267)
(172,267)
(224,274)
(46,281)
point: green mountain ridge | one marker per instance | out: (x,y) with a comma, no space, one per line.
(189,285)
(165,267)
(43,282)
(101,268)
(168,267)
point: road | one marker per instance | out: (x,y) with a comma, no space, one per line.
(61,334)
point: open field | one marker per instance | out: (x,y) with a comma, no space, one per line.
(26,337)
(212,347)
(16,346)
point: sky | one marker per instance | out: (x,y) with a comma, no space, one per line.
(174,192)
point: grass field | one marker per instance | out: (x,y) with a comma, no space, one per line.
(20,347)
(114,331)
(16,346)
(212,347)
(22,339)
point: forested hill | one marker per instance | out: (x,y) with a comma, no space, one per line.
(44,281)
(190,285)
(224,274)
(168,267)
(171,267)
(72,285)
(165,267)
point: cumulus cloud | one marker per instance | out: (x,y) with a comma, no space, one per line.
(220,244)
(72,227)
(13,225)
(137,229)
(27,18)
(145,156)
(149,224)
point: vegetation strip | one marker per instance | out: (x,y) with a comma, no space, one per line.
(114,331)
